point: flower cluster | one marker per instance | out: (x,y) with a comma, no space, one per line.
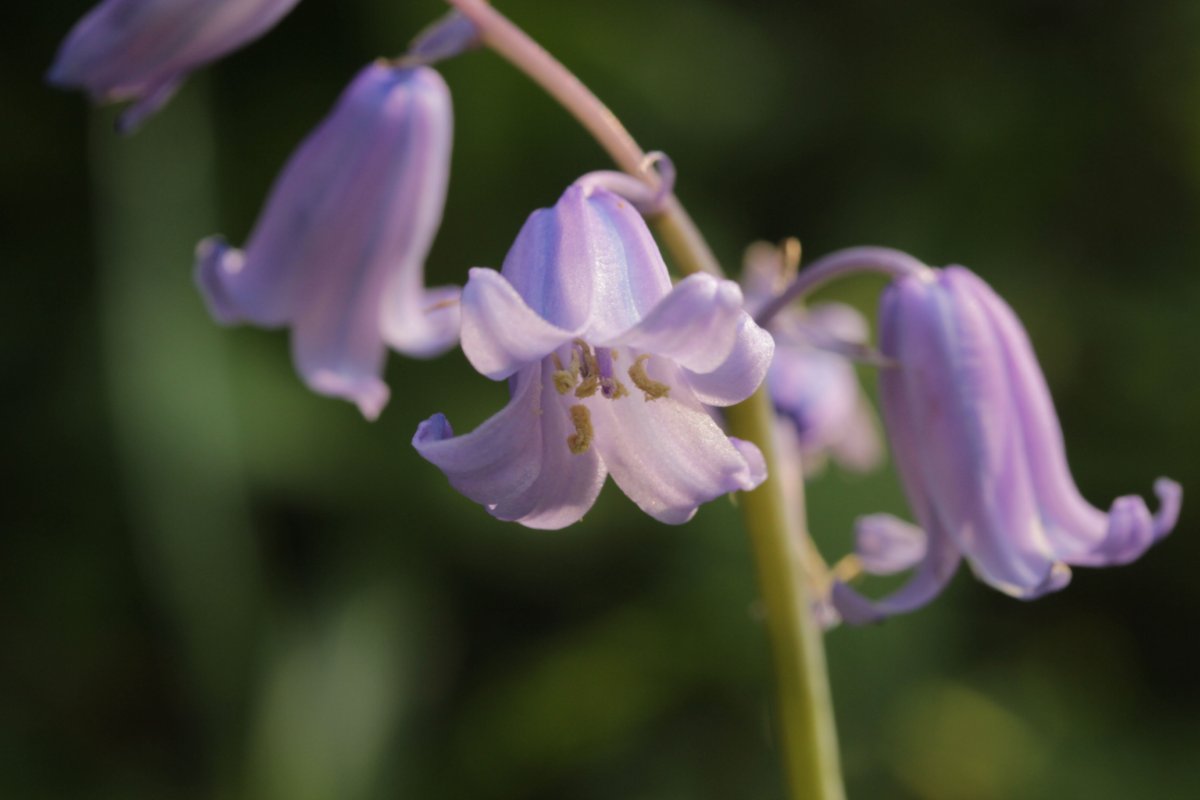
(611,368)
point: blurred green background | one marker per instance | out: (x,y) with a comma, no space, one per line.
(214,584)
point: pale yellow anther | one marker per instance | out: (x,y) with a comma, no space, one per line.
(564,379)
(650,387)
(590,366)
(791,252)
(579,441)
(847,568)
(588,386)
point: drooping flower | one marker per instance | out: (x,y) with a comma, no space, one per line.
(820,404)
(980,452)
(142,50)
(338,254)
(610,371)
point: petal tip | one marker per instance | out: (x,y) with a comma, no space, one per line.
(756,466)
(59,76)
(1058,576)
(216,261)
(886,545)
(1170,499)
(435,429)
(852,607)
(369,393)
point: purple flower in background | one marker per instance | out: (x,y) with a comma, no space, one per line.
(338,254)
(142,50)
(980,452)
(610,371)
(820,405)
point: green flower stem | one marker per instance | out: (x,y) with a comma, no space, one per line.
(777,531)
(775,521)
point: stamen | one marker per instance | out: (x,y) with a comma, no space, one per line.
(564,379)
(590,366)
(589,371)
(579,441)
(451,303)
(650,387)
(610,386)
(791,252)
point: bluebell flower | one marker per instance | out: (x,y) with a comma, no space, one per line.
(980,452)
(821,409)
(142,50)
(339,252)
(611,370)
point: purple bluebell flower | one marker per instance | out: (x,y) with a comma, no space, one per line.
(980,452)
(338,254)
(822,410)
(142,50)
(611,370)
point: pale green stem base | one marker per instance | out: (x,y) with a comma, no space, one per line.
(777,531)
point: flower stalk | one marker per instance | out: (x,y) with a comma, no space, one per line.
(777,530)
(673,224)
(775,525)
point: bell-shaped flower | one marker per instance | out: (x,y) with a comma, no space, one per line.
(142,50)
(820,404)
(611,371)
(338,254)
(980,453)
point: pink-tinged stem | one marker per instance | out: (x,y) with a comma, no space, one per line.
(674,225)
(840,264)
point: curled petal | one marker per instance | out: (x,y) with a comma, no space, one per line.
(940,563)
(1081,534)
(567,483)
(669,456)
(499,459)
(696,325)
(1131,527)
(500,332)
(754,460)
(736,378)
(517,464)
(341,356)
(215,260)
(886,545)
